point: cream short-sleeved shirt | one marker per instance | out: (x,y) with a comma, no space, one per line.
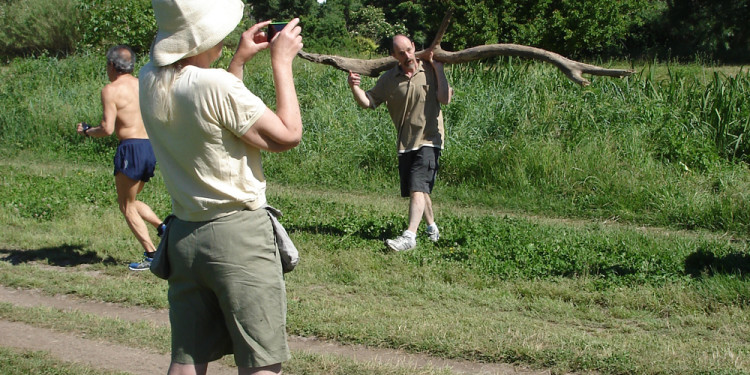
(207,168)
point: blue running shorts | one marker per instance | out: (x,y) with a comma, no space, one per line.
(135,158)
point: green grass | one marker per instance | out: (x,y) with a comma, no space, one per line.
(583,229)
(13,362)
(544,292)
(39,27)
(666,146)
(153,338)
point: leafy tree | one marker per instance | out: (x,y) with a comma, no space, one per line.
(324,28)
(574,28)
(280,10)
(718,29)
(715,29)
(109,22)
(369,22)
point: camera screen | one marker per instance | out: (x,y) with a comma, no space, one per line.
(274,28)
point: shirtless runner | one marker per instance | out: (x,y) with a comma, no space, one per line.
(134,159)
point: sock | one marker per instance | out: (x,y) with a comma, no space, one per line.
(409,234)
(150,254)
(432,227)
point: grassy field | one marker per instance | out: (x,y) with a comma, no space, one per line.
(583,229)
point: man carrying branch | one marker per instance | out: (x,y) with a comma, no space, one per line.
(413,92)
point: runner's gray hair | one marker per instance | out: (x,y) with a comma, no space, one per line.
(122,58)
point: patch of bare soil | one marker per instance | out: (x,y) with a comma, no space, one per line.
(104,355)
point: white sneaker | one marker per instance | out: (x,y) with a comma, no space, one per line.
(433,233)
(402,243)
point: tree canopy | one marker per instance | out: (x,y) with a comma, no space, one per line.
(716,30)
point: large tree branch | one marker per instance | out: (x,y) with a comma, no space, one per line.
(442,29)
(371,68)
(571,68)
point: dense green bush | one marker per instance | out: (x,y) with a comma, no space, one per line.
(325,30)
(369,22)
(717,30)
(576,28)
(280,10)
(59,27)
(110,22)
(34,27)
(336,27)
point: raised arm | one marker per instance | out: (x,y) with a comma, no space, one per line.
(444,91)
(252,41)
(359,95)
(282,130)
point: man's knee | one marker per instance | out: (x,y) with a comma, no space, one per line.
(127,206)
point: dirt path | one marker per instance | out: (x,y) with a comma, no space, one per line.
(103,355)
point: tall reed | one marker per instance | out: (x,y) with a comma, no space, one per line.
(666,146)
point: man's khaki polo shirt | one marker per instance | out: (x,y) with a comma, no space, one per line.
(413,106)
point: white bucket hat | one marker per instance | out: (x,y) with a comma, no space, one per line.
(191,27)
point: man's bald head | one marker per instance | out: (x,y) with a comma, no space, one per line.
(402,49)
(400,40)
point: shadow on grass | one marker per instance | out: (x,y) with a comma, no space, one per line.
(706,263)
(364,232)
(60,256)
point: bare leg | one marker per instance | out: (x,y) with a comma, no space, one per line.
(429,216)
(416,210)
(267,370)
(201,369)
(127,189)
(187,369)
(145,211)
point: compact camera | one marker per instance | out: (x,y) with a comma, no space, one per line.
(273,28)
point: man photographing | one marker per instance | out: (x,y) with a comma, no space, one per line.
(134,159)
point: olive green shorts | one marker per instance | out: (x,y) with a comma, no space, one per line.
(226,291)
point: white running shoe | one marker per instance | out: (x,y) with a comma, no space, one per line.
(402,243)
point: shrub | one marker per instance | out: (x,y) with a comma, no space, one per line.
(60,27)
(716,29)
(325,31)
(575,28)
(114,22)
(35,27)
(369,22)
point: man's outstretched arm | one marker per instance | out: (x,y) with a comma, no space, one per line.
(359,95)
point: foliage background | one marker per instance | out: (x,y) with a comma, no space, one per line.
(667,146)
(520,134)
(583,29)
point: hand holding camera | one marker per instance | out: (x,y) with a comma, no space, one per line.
(286,41)
(273,28)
